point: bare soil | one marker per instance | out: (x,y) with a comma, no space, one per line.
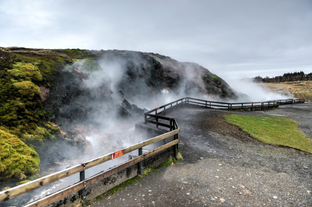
(224,166)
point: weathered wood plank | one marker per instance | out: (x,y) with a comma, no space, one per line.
(27,187)
(83,184)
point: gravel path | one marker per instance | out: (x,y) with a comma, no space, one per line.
(224,166)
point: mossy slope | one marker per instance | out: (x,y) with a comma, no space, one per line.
(16,158)
(22,117)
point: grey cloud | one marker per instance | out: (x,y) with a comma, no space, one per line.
(220,35)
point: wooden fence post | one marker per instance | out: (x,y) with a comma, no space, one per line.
(175,147)
(140,163)
(83,191)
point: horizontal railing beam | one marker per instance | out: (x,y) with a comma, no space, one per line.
(160,117)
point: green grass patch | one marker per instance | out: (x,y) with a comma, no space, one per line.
(120,187)
(273,130)
(215,77)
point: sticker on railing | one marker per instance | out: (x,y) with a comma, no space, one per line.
(117,154)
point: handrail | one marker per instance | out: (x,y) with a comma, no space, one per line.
(40,182)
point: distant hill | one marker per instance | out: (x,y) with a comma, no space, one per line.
(296,76)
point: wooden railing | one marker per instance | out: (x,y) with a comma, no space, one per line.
(156,117)
(30,186)
(242,105)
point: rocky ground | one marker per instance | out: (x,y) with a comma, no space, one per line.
(224,166)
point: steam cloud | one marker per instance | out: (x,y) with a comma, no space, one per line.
(104,129)
(254,91)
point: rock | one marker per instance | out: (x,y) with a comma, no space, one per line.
(79,138)
(130,110)
(44,92)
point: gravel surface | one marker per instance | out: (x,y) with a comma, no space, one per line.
(224,166)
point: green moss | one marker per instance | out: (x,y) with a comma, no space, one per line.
(27,71)
(165,164)
(38,134)
(16,158)
(23,182)
(6,188)
(146,171)
(121,186)
(179,157)
(98,198)
(49,113)
(215,77)
(27,88)
(52,128)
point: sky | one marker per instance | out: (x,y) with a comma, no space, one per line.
(234,39)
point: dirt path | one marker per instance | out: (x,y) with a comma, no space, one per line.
(224,166)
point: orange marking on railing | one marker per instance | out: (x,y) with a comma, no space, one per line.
(117,154)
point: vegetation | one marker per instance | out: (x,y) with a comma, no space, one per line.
(16,158)
(23,120)
(299,89)
(296,76)
(215,78)
(273,130)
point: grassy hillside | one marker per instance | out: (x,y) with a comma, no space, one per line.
(299,89)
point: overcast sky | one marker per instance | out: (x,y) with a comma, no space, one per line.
(230,38)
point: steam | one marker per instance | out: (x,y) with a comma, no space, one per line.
(117,76)
(255,92)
